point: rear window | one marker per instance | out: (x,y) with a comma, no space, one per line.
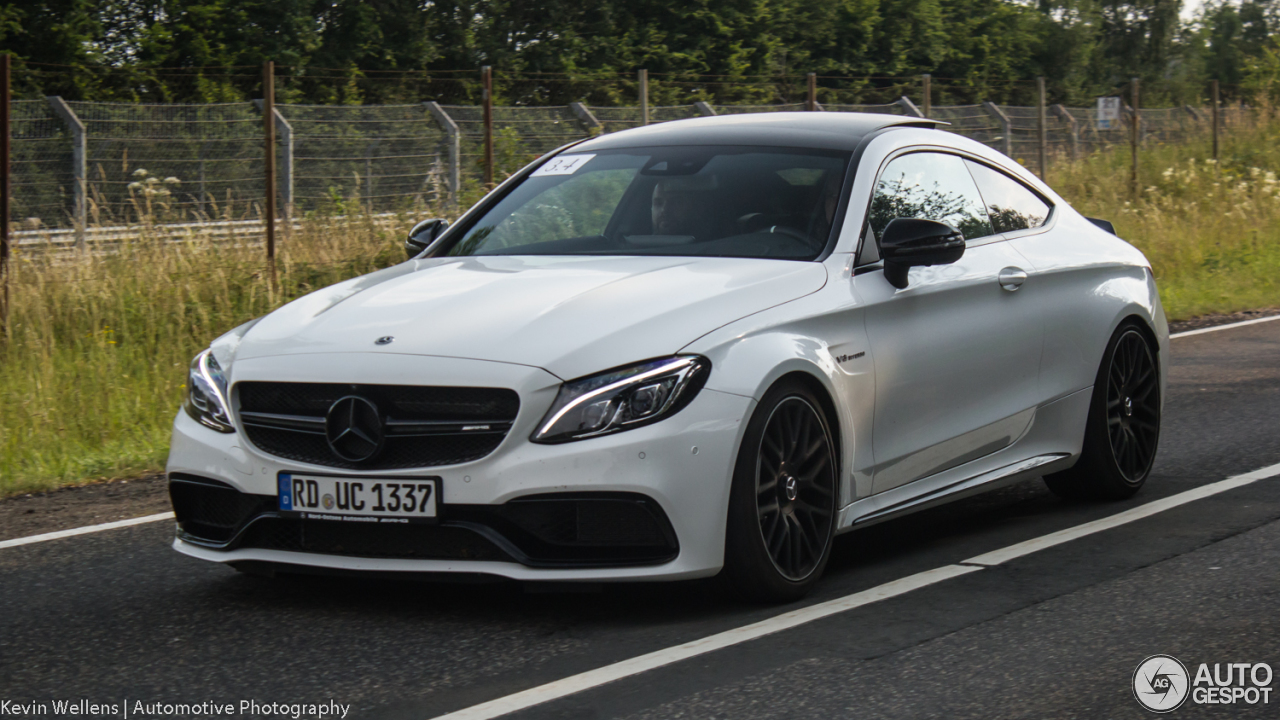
(1010,204)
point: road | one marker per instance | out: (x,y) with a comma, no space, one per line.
(1055,634)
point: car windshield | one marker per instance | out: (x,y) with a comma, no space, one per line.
(756,202)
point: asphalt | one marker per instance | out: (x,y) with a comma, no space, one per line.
(118,615)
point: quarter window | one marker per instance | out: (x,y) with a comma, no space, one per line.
(930,186)
(1010,204)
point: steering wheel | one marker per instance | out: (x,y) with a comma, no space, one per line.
(803,237)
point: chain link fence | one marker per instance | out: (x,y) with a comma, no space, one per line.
(93,165)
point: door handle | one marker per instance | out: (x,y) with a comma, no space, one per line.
(1011,278)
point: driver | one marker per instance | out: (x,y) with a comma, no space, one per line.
(672,211)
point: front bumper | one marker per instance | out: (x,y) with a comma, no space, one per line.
(682,466)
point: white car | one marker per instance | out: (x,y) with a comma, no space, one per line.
(703,346)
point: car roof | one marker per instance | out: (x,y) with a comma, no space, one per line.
(817,130)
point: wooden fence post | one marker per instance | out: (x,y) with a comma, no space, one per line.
(927,82)
(486,77)
(1213,84)
(5,60)
(811,99)
(1136,125)
(644,96)
(1042,139)
(269,162)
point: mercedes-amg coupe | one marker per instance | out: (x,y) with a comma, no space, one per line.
(669,352)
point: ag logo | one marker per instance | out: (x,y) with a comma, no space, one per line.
(1161,683)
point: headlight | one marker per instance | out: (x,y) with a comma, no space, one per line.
(207,393)
(622,399)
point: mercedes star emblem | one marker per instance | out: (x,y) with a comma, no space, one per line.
(353,428)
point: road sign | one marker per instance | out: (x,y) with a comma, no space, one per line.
(1108,113)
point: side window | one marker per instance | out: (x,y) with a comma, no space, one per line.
(931,186)
(1011,205)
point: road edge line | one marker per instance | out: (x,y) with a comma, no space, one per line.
(31,539)
(643,663)
(1017,550)
(1228,326)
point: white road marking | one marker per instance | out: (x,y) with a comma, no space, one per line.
(1228,326)
(626,668)
(996,557)
(84,530)
(644,663)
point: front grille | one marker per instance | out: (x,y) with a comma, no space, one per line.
(422,426)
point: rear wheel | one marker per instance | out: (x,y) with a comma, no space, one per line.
(1123,427)
(782,507)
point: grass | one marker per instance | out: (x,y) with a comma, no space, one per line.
(93,370)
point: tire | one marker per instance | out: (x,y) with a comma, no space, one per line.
(1122,430)
(782,506)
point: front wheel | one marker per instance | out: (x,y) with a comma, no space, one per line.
(1123,426)
(782,506)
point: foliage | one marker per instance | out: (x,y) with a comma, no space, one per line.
(555,51)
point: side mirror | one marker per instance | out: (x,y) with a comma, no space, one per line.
(423,234)
(912,242)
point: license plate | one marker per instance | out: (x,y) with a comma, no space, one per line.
(347,499)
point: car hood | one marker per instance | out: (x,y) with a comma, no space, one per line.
(568,315)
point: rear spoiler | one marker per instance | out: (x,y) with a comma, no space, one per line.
(1104,224)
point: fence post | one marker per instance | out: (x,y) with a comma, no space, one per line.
(927,81)
(704,109)
(1213,85)
(644,96)
(79,166)
(455,149)
(269,161)
(909,107)
(1006,142)
(486,77)
(286,167)
(1072,127)
(1136,125)
(1042,139)
(586,117)
(5,60)
(811,100)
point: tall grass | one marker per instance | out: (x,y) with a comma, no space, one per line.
(92,373)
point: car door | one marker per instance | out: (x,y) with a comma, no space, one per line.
(957,351)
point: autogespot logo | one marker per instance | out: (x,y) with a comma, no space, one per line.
(1161,683)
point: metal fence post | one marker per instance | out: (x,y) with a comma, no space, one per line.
(1136,124)
(1006,128)
(586,117)
(644,96)
(269,161)
(1042,139)
(811,99)
(5,60)
(704,109)
(486,77)
(1073,129)
(79,165)
(909,107)
(455,149)
(927,82)
(286,166)
(1213,85)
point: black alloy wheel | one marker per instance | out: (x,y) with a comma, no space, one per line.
(1122,430)
(783,504)
(1133,411)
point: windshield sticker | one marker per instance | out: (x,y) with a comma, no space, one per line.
(564,165)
